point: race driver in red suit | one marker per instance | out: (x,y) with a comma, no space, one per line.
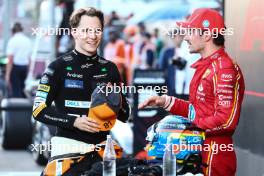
(216,92)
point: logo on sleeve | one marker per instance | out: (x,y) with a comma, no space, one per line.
(39,109)
(39,99)
(191,113)
(44,88)
(49,71)
(44,79)
(75,84)
(36,104)
(41,94)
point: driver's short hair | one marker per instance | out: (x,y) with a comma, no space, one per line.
(219,40)
(90,11)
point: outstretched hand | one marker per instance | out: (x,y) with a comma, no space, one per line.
(153,101)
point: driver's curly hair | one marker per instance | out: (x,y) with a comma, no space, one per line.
(90,11)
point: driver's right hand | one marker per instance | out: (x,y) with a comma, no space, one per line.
(153,101)
(86,124)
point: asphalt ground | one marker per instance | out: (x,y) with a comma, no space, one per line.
(18,163)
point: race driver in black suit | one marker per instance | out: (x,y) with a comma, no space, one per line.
(70,80)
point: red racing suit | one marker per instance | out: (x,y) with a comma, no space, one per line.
(216,94)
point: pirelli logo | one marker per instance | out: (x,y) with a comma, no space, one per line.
(39,109)
(44,88)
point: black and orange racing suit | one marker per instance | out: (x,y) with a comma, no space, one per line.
(69,81)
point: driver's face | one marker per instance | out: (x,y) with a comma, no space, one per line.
(88,34)
(195,41)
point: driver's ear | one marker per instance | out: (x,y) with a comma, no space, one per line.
(207,35)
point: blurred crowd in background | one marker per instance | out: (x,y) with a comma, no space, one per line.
(135,47)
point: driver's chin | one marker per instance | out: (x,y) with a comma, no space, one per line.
(194,50)
(90,49)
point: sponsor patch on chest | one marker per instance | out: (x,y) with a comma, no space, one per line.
(77,104)
(75,84)
(86,65)
(74,75)
(100,76)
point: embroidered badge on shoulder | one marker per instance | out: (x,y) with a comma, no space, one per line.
(44,79)
(67,58)
(102,61)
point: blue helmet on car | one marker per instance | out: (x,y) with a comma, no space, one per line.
(186,139)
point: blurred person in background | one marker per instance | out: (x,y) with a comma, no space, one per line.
(65,42)
(65,45)
(157,41)
(179,62)
(115,52)
(216,92)
(113,17)
(19,50)
(142,28)
(113,22)
(147,52)
(138,43)
(188,71)
(130,61)
(167,62)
